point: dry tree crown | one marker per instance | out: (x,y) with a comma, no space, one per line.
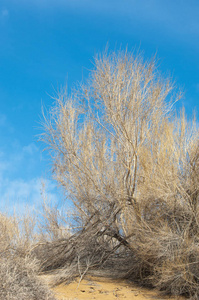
(109,138)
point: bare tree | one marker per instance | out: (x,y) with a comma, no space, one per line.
(100,135)
(128,163)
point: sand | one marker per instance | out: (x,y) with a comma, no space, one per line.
(105,289)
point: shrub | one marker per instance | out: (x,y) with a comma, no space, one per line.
(131,167)
(18,280)
(18,270)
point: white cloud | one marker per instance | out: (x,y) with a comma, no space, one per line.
(19,194)
(17,158)
(20,184)
(30,149)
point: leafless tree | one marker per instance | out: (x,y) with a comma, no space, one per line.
(130,166)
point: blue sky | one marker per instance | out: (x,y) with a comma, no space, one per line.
(46,44)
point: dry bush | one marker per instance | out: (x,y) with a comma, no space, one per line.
(18,280)
(16,234)
(130,166)
(19,270)
(8,232)
(53,223)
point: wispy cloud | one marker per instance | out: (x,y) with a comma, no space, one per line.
(4,13)
(19,194)
(15,156)
(20,183)
(169,16)
(3,120)
(30,149)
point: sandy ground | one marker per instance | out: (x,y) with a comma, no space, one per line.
(105,289)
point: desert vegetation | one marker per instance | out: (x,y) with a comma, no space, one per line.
(130,164)
(18,268)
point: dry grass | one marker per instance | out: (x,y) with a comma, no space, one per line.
(18,280)
(19,270)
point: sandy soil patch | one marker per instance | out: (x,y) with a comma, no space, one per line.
(105,289)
